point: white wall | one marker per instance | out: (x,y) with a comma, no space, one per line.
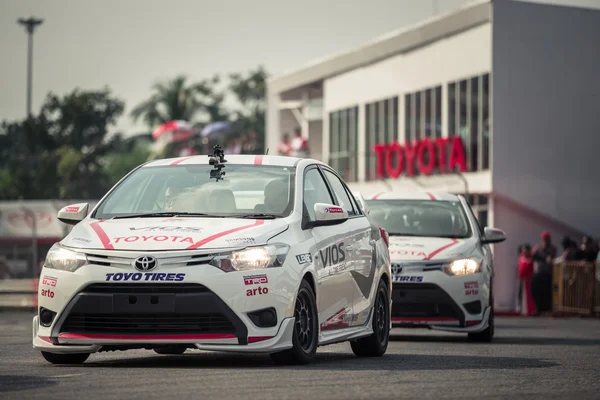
(462,55)
(546,120)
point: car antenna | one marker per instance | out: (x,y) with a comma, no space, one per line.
(217,160)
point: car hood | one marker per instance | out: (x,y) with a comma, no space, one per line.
(406,248)
(172,233)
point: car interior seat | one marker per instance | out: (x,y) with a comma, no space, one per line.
(276,196)
(221,201)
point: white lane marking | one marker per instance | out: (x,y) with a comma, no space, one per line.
(65,376)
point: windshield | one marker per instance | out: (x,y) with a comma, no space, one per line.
(244,190)
(421,218)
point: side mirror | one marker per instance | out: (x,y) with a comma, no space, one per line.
(73,213)
(493,235)
(329,214)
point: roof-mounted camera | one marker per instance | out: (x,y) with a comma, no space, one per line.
(217,160)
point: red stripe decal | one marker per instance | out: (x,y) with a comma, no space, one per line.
(206,336)
(436,252)
(101,235)
(258,160)
(431,196)
(377,195)
(423,319)
(46,339)
(227,232)
(254,339)
(179,161)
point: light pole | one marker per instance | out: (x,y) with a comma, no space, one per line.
(30,24)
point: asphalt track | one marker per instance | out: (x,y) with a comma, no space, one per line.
(531,358)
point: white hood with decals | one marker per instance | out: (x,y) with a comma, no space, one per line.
(406,248)
(172,233)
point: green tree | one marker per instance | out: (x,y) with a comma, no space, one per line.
(250,92)
(179,100)
(58,153)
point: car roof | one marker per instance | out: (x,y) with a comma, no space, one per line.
(412,195)
(248,159)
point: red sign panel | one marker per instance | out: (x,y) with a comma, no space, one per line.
(394,159)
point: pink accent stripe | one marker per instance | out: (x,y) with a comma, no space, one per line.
(254,339)
(472,323)
(46,339)
(377,195)
(436,252)
(423,319)
(227,232)
(258,160)
(207,336)
(179,161)
(431,196)
(101,235)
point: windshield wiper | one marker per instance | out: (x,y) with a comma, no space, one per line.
(259,216)
(166,214)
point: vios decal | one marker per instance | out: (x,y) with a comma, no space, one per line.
(333,255)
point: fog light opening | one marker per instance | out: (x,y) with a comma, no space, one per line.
(46,317)
(264,318)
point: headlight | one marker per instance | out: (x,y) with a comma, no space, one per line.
(64,259)
(252,258)
(462,267)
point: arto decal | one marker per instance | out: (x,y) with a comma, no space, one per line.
(255,280)
(257,291)
(147,276)
(47,293)
(471,288)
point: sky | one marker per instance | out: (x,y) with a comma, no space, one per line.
(128,45)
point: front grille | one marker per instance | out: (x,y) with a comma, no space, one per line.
(126,259)
(147,323)
(144,288)
(424,300)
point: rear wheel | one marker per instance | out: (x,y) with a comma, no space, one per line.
(170,350)
(376,344)
(306,330)
(487,334)
(54,358)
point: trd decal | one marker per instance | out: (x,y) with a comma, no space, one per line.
(404,278)
(257,291)
(471,288)
(47,293)
(304,258)
(49,281)
(333,255)
(255,280)
(177,239)
(147,276)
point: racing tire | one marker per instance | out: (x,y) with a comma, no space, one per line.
(305,338)
(172,350)
(486,335)
(78,358)
(376,344)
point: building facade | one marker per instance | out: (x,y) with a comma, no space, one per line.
(497,100)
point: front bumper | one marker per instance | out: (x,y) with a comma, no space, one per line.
(210,309)
(435,300)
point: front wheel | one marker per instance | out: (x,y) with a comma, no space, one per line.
(306,330)
(54,358)
(487,334)
(376,344)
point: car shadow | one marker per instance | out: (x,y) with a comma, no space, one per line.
(325,361)
(524,340)
(13,383)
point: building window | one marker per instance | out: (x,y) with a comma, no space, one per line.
(343,142)
(381,127)
(423,115)
(468,117)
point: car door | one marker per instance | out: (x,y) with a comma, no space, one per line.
(359,247)
(335,284)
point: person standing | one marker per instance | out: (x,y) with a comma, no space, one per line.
(541,281)
(525,274)
(284,148)
(299,145)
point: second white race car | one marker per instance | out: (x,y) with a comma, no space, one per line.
(235,253)
(442,264)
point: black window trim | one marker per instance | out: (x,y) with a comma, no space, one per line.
(305,216)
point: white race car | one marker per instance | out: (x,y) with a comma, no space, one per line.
(236,253)
(442,264)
